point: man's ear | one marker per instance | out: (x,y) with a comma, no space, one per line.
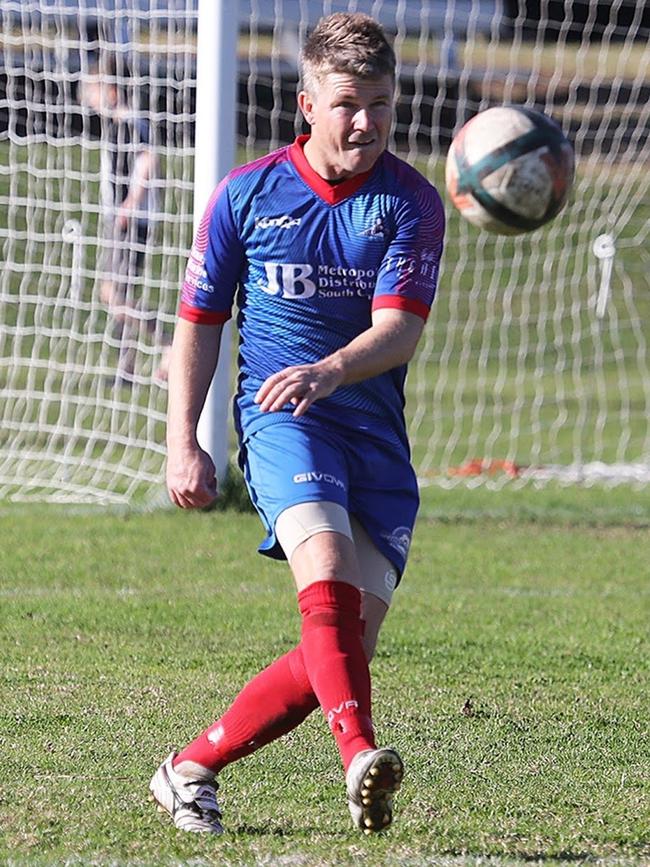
(306,106)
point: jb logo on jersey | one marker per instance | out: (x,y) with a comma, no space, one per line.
(288,280)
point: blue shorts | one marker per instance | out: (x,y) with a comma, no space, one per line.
(288,463)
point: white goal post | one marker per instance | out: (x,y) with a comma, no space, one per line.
(534,364)
(216,86)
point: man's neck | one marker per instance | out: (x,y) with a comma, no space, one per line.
(327,173)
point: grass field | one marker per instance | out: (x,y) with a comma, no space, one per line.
(512,675)
(513,671)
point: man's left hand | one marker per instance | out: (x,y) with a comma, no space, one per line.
(300,385)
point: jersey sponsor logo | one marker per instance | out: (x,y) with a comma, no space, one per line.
(423,265)
(288,280)
(335,281)
(429,264)
(294,280)
(314,476)
(404,265)
(430,271)
(286,221)
(335,711)
(195,264)
(375,230)
(196,277)
(400,539)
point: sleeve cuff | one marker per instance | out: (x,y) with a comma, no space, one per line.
(202,317)
(398,302)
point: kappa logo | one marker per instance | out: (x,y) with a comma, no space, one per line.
(286,221)
(376,230)
(318,477)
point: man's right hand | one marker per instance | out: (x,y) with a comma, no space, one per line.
(191,477)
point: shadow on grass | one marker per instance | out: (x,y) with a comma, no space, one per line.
(263,831)
(526,857)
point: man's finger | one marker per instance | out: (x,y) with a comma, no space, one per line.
(284,398)
(280,395)
(173,496)
(269,384)
(302,407)
(181,501)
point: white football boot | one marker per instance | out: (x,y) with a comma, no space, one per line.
(372,779)
(192,804)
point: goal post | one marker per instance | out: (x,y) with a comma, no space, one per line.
(534,363)
(214,156)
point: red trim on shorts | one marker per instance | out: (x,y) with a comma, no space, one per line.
(202,317)
(398,302)
(331,193)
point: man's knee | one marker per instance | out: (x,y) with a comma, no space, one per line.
(322,544)
(316,538)
(373,612)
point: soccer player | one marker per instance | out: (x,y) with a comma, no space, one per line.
(128,171)
(333,245)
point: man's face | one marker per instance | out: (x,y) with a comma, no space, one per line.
(98,95)
(350,120)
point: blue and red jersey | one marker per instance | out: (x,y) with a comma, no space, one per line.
(308,262)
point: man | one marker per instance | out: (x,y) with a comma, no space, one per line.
(128,171)
(334,244)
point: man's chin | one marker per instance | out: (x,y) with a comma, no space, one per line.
(362,159)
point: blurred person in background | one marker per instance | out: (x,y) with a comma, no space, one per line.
(127,190)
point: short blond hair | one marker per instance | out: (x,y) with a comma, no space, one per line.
(348,42)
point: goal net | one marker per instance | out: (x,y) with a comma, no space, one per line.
(534,362)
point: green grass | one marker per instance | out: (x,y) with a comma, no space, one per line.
(122,635)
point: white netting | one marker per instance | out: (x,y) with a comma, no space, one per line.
(86,309)
(535,361)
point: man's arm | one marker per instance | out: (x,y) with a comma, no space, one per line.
(191,480)
(388,343)
(144,169)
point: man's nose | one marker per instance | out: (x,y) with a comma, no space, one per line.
(363,120)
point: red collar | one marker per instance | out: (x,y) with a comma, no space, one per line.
(331,193)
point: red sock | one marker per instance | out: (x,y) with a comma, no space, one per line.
(272,704)
(336,662)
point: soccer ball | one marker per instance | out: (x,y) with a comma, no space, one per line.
(509,170)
